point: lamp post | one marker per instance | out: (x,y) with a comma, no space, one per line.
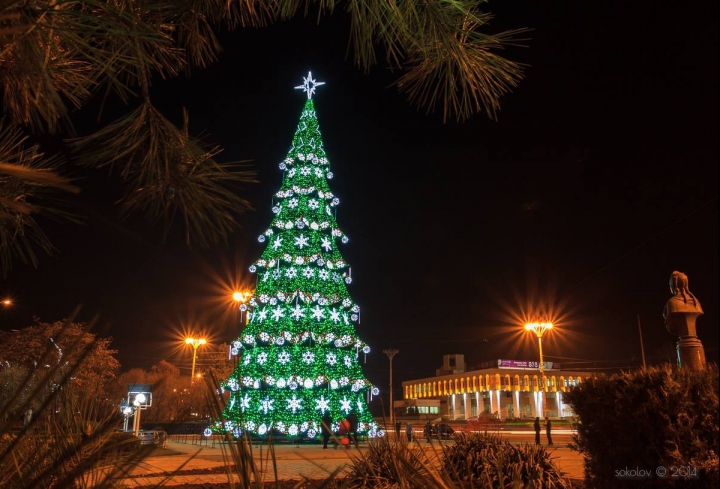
(137,403)
(195,342)
(390,354)
(241,298)
(539,329)
(126,411)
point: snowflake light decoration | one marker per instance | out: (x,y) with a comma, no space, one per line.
(294,404)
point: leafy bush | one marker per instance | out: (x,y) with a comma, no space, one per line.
(485,460)
(646,419)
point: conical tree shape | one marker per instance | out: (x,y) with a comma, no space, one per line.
(299,352)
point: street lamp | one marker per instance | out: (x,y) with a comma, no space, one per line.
(139,400)
(390,354)
(241,298)
(539,329)
(126,411)
(195,342)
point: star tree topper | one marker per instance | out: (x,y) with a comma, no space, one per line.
(309,85)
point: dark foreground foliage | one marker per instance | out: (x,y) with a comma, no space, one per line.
(487,460)
(480,461)
(393,464)
(655,427)
(56,428)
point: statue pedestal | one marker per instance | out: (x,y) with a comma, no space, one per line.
(690,353)
(681,313)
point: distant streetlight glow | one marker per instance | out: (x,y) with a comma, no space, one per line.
(7,302)
(196,343)
(539,329)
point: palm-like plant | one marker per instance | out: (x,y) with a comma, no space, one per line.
(56,55)
(28,185)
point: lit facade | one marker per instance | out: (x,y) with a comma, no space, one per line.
(503,389)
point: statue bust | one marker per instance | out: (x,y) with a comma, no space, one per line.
(680,313)
(683,308)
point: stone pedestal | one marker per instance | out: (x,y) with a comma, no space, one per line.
(690,353)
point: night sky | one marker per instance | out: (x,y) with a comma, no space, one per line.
(599,178)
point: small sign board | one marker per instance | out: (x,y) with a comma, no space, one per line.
(526,365)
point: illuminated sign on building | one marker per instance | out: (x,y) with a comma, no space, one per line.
(527,365)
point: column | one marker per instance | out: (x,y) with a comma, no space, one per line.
(558,397)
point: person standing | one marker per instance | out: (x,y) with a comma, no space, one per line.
(325,429)
(428,430)
(536,425)
(408,432)
(352,432)
(28,417)
(344,431)
(548,430)
(398,427)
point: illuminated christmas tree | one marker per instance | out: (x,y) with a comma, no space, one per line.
(299,354)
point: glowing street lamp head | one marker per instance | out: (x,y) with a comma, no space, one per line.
(195,342)
(538,328)
(7,302)
(240,296)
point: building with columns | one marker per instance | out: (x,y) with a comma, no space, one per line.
(501,388)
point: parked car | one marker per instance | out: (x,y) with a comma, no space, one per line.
(442,431)
(156,437)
